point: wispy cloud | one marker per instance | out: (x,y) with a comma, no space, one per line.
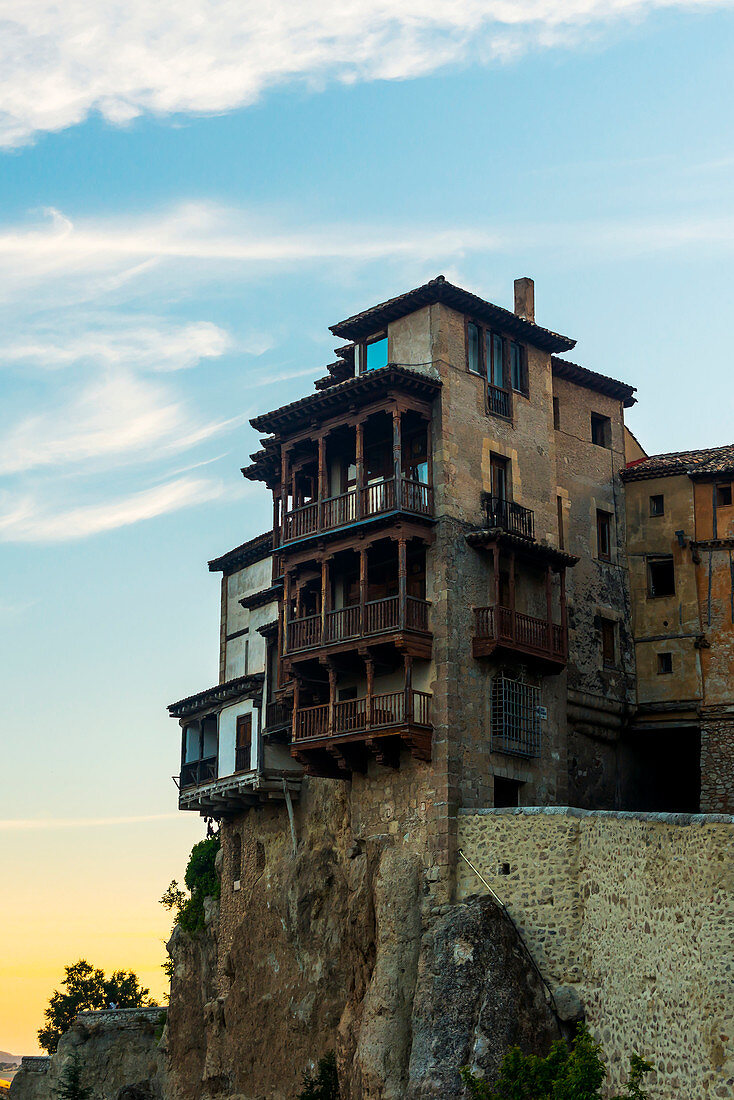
(59,62)
(28,519)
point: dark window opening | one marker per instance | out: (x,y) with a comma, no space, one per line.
(473,349)
(609,643)
(561,538)
(723,495)
(657,505)
(604,535)
(499,469)
(556,414)
(601,430)
(506,793)
(665,663)
(518,372)
(660,577)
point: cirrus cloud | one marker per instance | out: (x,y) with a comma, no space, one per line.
(60,62)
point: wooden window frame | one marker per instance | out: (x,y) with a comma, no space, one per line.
(650,563)
(487,332)
(243,720)
(665,659)
(362,350)
(605,422)
(724,488)
(603,524)
(655,497)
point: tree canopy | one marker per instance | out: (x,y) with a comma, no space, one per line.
(86,988)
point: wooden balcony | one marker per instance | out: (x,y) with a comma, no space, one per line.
(378,618)
(379,498)
(500,629)
(499,401)
(278,716)
(375,723)
(198,771)
(509,516)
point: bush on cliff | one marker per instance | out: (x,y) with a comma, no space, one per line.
(568,1073)
(85,988)
(203,882)
(324,1085)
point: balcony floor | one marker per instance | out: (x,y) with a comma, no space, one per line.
(343,753)
(232,794)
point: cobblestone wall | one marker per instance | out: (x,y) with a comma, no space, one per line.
(634,913)
(717,765)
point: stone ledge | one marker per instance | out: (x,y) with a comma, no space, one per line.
(146,1014)
(35,1063)
(613,815)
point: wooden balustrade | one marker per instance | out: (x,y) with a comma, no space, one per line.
(404,708)
(371,500)
(278,714)
(499,400)
(198,771)
(516,630)
(380,616)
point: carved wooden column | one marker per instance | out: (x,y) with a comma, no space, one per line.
(429,464)
(296,696)
(276,520)
(283,490)
(512,592)
(286,608)
(549,605)
(321,491)
(359,509)
(402,580)
(564,613)
(397,453)
(325,602)
(408,705)
(496,566)
(332,696)
(369,666)
(362,588)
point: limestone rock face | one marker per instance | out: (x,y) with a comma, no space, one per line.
(477,994)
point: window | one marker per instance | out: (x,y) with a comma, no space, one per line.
(556,414)
(506,793)
(657,505)
(473,351)
(603,535)
(608,643)
(517,373)
(499,471)
(723,495)
(243,751)
(373,354)
(660,577)
(665,664)
(601,430)
(498,360)
(515,722)
(561,539)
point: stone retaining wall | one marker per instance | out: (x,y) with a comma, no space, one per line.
(634,913)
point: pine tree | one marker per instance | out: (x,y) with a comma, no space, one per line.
(70,1081)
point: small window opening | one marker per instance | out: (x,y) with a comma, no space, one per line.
(657,505)
(473,351)
(374,354)
(665,663)
(561,538)
(506,793)
(556,414)
(609,643)
(503,869)
(604,535)
(601,430)
(518,377)
(660,577)
(723,495)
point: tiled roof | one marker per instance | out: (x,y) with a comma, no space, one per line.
(582,376)
(254,550)
(214,696)
(706,462)
(320,404)
(440,290)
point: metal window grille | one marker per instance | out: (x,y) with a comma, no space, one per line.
(515,722)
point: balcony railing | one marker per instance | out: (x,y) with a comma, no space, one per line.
(516,630)
(242,758)
(391,709)
(379,617)
(500,402)
(198,771)
(371,500)
(278,715)
(509,516)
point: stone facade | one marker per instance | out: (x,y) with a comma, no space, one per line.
(717,763)
(634,913)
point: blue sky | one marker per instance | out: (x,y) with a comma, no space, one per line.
(189,195)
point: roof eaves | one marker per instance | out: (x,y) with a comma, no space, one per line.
(249,552)
(591,379)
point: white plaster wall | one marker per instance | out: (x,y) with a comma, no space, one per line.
(253,578)
(228,736)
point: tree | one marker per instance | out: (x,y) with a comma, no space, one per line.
(325,1084)
(87,989)
(203,882)
(567,1073)
(70,1081)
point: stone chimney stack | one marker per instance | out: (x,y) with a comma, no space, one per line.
(525,298)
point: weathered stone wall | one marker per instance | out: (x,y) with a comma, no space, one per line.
(717,764)
(634,912)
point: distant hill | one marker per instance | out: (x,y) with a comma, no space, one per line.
(5,1056)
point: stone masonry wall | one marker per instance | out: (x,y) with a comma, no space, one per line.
(632,912)
(717,765)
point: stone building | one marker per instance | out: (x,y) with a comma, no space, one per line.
(440,615)
(680,524)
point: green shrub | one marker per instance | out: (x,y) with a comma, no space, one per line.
(203,882)
(324,1085)
(567,1073)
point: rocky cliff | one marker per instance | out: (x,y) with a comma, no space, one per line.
(339,944)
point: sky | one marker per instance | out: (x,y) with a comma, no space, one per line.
(190,194)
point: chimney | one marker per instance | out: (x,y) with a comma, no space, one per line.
(525,298)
